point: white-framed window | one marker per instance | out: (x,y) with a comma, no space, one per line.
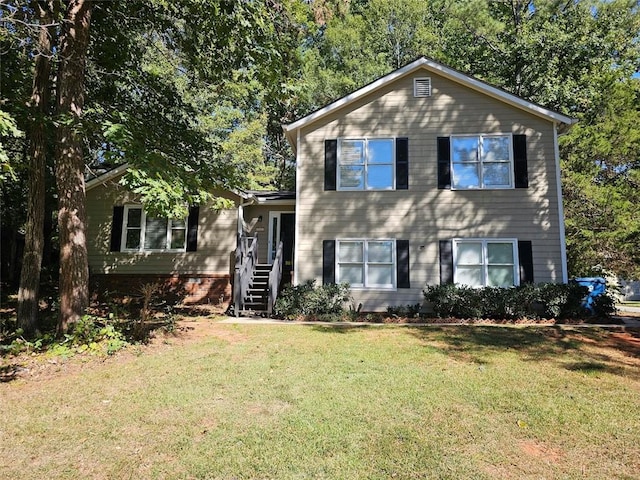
(143,233)
(366,164)
(481,161)
(486,262)
(366,263)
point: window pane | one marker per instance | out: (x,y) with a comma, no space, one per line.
(500,276)
(134,216)
(178,224)
(133,238)
(496,174)
(380,252)
(500,253)
(469,254)
(352,152)
(471,276)
(350,252)
(177,238)
(495,149)
(381,151)
(380,176)
(351,177)
(352,274)
(380,275)
(464,149)
(465,175)
(155,235)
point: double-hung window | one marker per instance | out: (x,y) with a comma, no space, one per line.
(366,263)
(141,232)
(485,262)
(366,164)
(481,161)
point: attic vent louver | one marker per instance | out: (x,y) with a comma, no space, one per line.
(422,87)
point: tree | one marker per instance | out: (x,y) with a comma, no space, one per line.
(74,270)
(38,146)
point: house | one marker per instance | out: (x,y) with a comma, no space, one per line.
(424,176)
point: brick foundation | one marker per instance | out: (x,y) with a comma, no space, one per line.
(189,289)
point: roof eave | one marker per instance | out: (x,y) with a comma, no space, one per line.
(446,72)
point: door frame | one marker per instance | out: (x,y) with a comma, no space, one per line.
(270,248)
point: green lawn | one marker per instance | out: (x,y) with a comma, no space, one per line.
(298,402)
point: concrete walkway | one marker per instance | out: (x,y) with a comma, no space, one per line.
(630,322)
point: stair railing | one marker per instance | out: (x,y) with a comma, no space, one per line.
(246,260)
(275,275)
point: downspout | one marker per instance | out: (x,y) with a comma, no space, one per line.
(563,240)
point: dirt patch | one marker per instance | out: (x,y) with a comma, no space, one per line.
(537,450)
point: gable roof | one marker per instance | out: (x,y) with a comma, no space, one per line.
(424,63)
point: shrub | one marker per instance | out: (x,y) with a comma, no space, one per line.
(546,300)
(308,299)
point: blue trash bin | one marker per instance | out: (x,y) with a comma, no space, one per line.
(596,285)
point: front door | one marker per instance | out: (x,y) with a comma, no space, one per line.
(282,229)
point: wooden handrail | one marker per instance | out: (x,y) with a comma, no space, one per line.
(275,275)
(246,260)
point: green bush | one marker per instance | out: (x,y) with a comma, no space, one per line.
(308,299)
(545,300)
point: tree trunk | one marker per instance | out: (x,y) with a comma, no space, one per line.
(34,231)
(74,269)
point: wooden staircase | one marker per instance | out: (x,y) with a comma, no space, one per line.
(257,296)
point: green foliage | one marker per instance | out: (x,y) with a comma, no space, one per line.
(545,300)
(8,127)
(90,335)
(308,299)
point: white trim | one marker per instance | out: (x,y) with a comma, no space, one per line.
(485,261)
(365,241)
(296,223)
(106,176)
(365,164)
(446,72)
(273,214)
(561,228)
(511,162)
(416,81)
(143,228)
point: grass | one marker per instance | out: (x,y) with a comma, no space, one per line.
(293,402)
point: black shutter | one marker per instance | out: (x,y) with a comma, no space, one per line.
(446,261)
(444,162)
(330,164)
(525,256)
(402,164)
(328,261)
(402,265)
(116,228)
(192,229)
(520,173)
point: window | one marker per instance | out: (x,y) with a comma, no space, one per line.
(366,164)
(140,232)
(482,262)
(366,263)
(481,161)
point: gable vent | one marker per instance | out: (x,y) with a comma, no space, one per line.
(422,87)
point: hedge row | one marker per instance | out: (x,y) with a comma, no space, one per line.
(545,300)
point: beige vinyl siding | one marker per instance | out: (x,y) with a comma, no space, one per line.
(216,240)
(424,214)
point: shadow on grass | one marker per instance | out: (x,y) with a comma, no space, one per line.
(589,351)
